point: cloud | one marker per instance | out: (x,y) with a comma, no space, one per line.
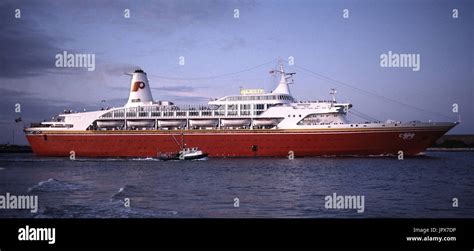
(28,48)
(25,51)
(119,68)
(234,44)
(34,108)
(178,88)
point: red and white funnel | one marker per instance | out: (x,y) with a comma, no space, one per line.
(140,93)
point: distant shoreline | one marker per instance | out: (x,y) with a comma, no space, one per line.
(444,149)
(7,148)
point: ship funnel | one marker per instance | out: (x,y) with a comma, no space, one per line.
(282,86)
(140,93)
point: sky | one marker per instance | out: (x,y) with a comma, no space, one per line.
(223,52)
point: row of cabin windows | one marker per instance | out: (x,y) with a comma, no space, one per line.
(246,107)
(327,115)
(266,97)
(143,111)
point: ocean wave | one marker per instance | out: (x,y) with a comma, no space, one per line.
(146,159)
(201,159)
(55,185)
(126,191)
(104,210)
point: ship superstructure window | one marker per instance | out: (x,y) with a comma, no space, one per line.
(232,107)
(131,113)
(260,106)
(137,100)
(119,114)
(244,107)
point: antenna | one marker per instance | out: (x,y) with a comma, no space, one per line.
(333,94)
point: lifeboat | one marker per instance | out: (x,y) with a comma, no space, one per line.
(171,123)
(141,123)
(235,122)
(203,122)
(265,122)
(110,123)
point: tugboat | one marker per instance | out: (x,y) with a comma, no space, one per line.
(192,153)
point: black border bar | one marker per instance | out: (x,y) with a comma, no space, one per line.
(237,233)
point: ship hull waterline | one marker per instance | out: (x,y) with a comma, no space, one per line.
(267,143)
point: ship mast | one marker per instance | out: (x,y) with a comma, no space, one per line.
(285,80)
(333,94)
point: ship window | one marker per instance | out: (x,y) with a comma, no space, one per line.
(231,107)
(300,115)
(244,107)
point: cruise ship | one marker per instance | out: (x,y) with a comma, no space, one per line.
(253,123)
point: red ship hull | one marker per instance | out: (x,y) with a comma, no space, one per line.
(237,143)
